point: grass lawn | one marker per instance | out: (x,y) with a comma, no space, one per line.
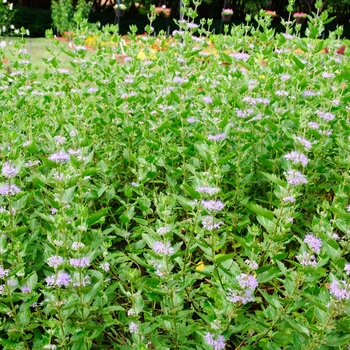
(37,48)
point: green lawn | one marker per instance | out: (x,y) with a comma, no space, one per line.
(37,48)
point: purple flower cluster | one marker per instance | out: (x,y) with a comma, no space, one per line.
(238,296)
(104,266)
(308,93)
(340,290)
(295,178)
(307,259)
(9,190)
(79,263)
(60,140)
(77,245)
(327,75)
(247,281)
(285,77)
(314,125)
(133,328)
(313,242)
(62,279)
(62,70)
(26,289)
(208,190)
(290,199)
(306,143)
(253,101)
(8,170)
(179,80)
(163,230)
(218,137)
(244,114)
(163,248)
(213,205)
(59,157)
(191,25)
(347,268)
(217,344)
(325,115)
(241,56)
(207,99)
(252,264)
(4,272)
(78,282)
(55,261)
(209,223)
(296,157)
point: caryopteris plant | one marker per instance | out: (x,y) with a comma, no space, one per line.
(189,192)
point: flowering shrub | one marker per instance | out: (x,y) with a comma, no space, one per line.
(299,15)
(163,10)
(271,13)
(6,16)
(190,201)
(120,6)
(227,12)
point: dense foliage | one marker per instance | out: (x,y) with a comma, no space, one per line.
(177,193)
(210,8)
(65,15)
(6,16)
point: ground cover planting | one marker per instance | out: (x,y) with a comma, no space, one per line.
(192,195)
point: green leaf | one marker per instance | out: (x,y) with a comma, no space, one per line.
(78,345)
(301,44)
(275,179)
(341,213)
(97,216)
(97,332)
(300,64)
(32,280)
(68,194)
(192,192)
(127,215)
(267,224)
(319,46)
(24,317)
(219,258)
(336,340)
(138,304)
(148,239)
(269,275)
(304,331)
(4,309)
(87,298)
(258,209)
(26,304)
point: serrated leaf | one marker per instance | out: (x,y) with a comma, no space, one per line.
(192,192)
(87,298)
(267,224)
(341,213)
(275,179)
(68,194)
(268,275)
(92,219)
(300,64)
(258,209)
(219,258)
(304,331)
(148,239)
(138,304)
(335,340)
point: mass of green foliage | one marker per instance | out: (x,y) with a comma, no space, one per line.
(177,192)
